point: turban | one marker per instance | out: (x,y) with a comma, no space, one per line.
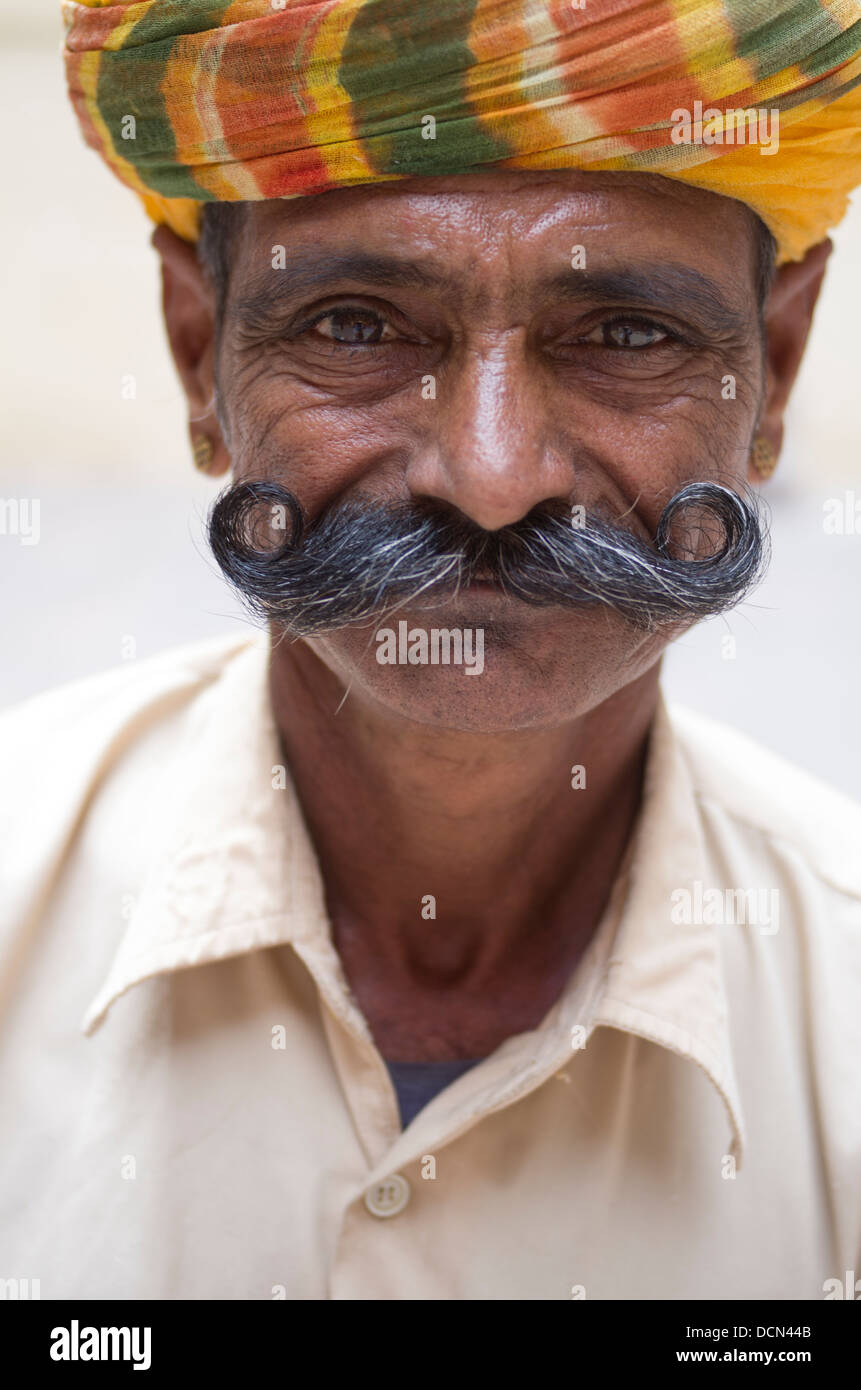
(190,101)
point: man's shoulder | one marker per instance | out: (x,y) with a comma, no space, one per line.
(91,772)
(764,793)
(69,723)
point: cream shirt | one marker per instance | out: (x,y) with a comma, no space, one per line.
(193,1106)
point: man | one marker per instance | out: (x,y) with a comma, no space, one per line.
(412,948)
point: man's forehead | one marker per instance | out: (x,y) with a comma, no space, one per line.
(451,233)
(510,194)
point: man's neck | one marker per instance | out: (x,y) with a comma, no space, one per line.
(464,874)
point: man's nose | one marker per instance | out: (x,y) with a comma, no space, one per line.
(491,449)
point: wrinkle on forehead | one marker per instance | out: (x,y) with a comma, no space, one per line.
(504,210)
(482,232)
(503,186)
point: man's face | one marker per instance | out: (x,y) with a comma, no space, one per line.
(494,342)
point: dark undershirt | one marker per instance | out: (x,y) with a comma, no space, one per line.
(416,1083)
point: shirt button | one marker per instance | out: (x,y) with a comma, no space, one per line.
(388,1197)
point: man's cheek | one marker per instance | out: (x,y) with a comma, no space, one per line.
(321,455)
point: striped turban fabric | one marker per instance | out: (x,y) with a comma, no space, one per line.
(191,101)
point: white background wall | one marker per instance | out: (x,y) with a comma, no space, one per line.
(121,550)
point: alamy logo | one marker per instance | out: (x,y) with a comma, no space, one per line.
(753,126)
(78,1343)
(21,517)
(847,1287)
(441,646)
(20,1289)
(720,907)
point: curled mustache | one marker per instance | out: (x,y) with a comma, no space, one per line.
(359,562)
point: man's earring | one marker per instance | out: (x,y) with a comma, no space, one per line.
(763,457)
(203,451)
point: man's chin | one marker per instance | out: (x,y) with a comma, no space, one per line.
(485,663)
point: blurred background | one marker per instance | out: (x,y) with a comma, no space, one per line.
(93,427)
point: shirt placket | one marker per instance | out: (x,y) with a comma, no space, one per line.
(396,1159)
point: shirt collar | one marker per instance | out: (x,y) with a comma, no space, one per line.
(237,872)
(664,981)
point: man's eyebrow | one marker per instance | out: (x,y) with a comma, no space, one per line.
(312,271)
(659,287)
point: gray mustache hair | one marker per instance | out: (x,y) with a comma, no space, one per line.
(358,562)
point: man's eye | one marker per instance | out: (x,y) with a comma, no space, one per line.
(628,333)
(354,327)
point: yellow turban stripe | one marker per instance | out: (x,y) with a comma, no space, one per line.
(191,101)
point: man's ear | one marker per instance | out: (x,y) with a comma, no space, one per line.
(188,305)
(788,316)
